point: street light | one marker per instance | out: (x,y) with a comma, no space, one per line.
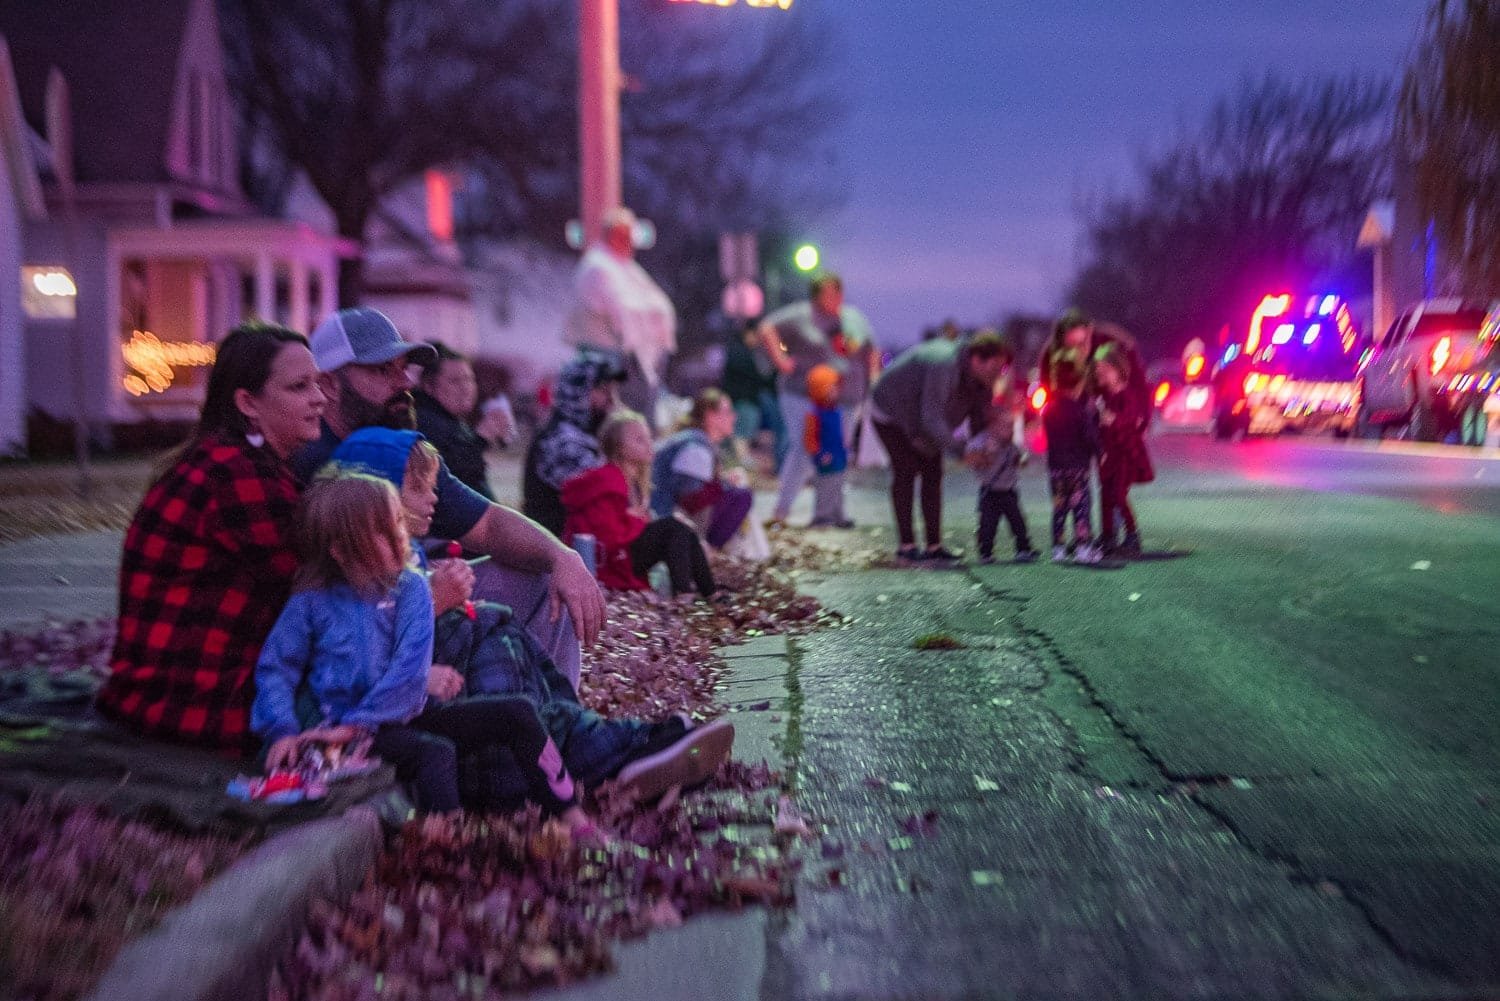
(806,257)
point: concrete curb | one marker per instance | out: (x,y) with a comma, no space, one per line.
(222,943)
(719,955)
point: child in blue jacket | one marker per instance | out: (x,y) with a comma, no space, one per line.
(357,633)
(823,437)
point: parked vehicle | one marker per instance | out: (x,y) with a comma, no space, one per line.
(1181,394)
(1296,369)
(1404,385)
(1471,394)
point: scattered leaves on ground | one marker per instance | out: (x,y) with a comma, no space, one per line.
(76,884)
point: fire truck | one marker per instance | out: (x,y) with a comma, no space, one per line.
(1296,368)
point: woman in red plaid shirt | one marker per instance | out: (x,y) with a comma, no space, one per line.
(208,558)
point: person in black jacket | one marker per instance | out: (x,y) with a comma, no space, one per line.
(445,398)
(1072,432)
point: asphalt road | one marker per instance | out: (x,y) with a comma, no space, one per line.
(1331,644)
(1264,768)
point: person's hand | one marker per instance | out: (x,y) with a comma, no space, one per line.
(341,734)
(452,584)
(443,682)
(575,589)
(736,478)
(1106,418)
(283,752)
(496,426)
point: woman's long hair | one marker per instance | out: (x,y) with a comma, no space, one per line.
(611,439)
(243,361)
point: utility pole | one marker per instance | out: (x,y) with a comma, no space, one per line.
(598,112)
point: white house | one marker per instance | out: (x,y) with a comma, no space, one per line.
(148,251)
(20,202)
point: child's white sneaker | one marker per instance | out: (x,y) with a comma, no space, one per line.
(1088,553)
(1059,554)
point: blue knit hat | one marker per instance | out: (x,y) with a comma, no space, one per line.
(380,452)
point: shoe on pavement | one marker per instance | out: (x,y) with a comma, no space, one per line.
(691,759)
(1027,555)
(909,554)
(1088,553)
(941,553)
(1060,554)
(986,559)
(1131,546)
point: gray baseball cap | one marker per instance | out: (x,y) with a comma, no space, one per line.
(363,336)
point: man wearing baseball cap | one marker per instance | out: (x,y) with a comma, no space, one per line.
(363,363)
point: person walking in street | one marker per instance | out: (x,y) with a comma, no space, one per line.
(1072,442)
(208,558)
(445,397)
(1123,458)
(750,381)
(619,308)
(568,444)
(916,405)
(363,361)
(996,458)
(823,437)
(820,331)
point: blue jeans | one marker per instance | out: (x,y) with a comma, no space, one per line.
(762,414)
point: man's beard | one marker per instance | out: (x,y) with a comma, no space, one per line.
(397,413)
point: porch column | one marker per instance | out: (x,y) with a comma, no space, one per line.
(328,289)
(265,288)
(297,318)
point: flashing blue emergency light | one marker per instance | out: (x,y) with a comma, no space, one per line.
(1328,305)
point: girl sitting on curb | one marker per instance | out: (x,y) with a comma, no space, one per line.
(492,655)
(357,633)
(608,502)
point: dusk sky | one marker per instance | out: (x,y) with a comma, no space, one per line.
(978,128)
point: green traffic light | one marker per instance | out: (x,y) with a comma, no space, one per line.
(806,257)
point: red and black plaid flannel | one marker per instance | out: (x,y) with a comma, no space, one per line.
(207,567)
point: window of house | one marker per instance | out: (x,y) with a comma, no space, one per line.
(48,292)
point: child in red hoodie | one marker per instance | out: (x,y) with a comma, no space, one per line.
(609,503)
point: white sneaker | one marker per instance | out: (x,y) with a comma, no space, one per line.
(695,757)
(1059,554)
(1088,553)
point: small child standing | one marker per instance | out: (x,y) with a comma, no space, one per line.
(357,633)
(823,438)
(995,457)
(1123,459)
(1072,443)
